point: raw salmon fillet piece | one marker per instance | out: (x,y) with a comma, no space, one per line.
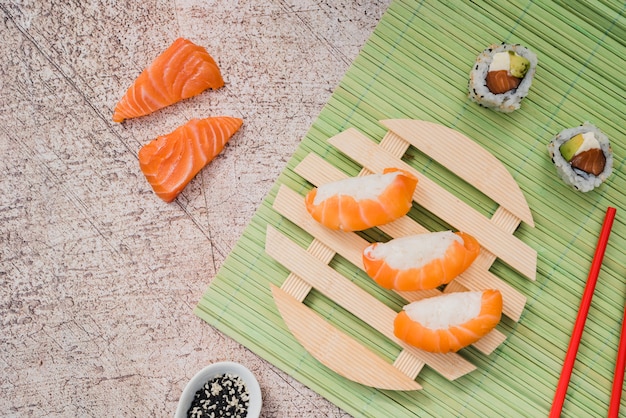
(170,161)
(183,70)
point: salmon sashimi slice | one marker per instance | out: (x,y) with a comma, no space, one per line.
(420,262)
(447,323)
(359,203)
(183,70)
(170,161)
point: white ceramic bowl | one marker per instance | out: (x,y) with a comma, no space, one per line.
(216,369)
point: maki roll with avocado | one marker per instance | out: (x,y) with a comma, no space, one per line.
(501,77)
(582,156)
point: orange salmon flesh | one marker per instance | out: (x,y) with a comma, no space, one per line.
(436,272)
(454,337)
(183,70)
(344,212)
(170,161)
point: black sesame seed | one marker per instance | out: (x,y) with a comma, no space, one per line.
(225,395)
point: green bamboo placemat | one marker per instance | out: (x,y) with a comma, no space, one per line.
(416,65)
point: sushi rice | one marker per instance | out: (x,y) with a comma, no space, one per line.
(579,179)
(506,102)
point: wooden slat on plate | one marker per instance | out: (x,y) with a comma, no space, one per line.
(295,286)
(478,167)
(338,351)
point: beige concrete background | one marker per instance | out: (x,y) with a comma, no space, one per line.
(98,276)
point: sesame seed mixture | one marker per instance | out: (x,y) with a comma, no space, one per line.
(225,395)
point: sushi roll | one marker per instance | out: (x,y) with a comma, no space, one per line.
(501,77)
(447,323)
(359,203)
(420,262)
(582,156)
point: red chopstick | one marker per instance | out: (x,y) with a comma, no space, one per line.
(581,318)
(618,376)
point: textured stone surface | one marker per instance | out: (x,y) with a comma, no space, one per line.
(98,277)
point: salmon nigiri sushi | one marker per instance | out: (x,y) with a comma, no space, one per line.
(183,70)
(420,262)
(170,161)
(359,203)
(447,323)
